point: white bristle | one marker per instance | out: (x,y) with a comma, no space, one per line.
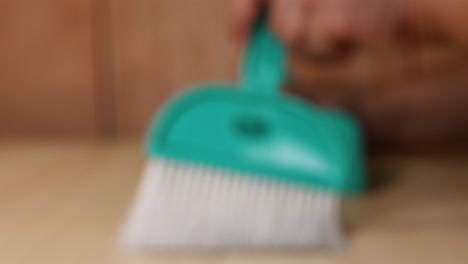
(187,206)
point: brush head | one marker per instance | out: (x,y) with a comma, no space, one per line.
(185,206)
(282,138)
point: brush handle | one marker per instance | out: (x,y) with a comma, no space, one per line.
(264,68)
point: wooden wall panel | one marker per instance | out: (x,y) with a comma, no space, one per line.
(161,46)
(46,68)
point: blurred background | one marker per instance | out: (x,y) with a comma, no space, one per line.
(81,79)
(99,69)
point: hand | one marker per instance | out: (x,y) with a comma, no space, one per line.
(331,26)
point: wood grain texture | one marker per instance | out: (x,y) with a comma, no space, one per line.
(46,68)
(161,46)
(64,202)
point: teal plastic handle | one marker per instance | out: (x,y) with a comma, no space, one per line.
(264,69)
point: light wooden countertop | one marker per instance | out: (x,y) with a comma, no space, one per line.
(65,202)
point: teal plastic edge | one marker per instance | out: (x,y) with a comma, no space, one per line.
(352,137)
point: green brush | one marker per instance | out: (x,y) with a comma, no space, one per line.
(246,167)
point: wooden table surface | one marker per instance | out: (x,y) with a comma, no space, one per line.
(65,202)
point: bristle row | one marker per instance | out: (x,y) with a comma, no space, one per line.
(194,207)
